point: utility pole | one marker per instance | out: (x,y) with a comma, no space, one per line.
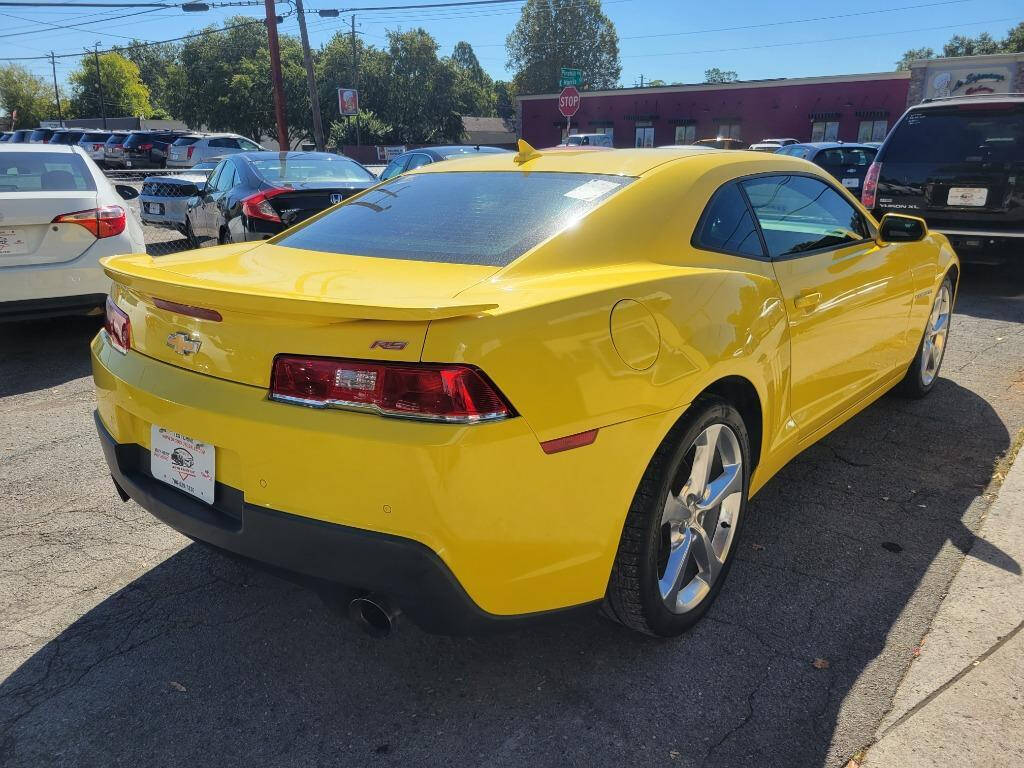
(275,76)
(314,97)
(355,74)
(56,93)
(99,83)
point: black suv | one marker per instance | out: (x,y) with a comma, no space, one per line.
(144,149)
(959,164)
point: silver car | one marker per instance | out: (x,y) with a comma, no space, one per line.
(186,151)
(92,143)
(164,199)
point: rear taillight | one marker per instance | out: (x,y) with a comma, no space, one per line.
(103,222)
(144,147)
(189,153)
(450,393)
(258,206)
(869,193)
(118,327)
(97,147)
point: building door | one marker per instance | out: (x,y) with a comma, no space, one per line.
(644,135)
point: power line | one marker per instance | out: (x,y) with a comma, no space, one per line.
(146,44)
(75,26)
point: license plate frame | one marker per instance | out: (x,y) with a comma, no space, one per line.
(967,197)
(183,462)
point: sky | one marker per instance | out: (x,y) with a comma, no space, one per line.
(659,39)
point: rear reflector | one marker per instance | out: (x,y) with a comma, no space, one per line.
(449,393)
(103,222)
(118,327)
(184,309)
(571,441)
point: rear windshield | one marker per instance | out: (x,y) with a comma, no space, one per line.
(965,134)
(297,169)
(117,138)
(95,137)
(184,141)
(43,133)
(137,138)
(460,151)
(484,218)
(44,171)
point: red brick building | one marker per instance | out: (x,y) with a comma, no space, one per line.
(840,107)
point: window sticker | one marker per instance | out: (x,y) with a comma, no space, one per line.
(592,190)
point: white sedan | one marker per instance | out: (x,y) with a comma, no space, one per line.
(59,215)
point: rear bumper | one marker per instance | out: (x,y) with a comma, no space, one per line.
(35,309)
(174,211)
(322,554)
(519,531)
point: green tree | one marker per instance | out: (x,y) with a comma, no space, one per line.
(474,88)
(912,55)
(372,130)
(716,75)
(1014,41)
(124,93)
(335,70)
(960,45)
(421,99)
(224,82)
(158,69)
(505,93)
(28,95)
(552,34)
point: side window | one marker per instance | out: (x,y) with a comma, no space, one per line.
(216,142)
(727,226)
(395,167)
(830,157)
(215,176)
(228,178)
(417,160)
(799,214)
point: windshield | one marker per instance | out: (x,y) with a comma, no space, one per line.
(484,218)
(44,171)
(981,133)
(306,168)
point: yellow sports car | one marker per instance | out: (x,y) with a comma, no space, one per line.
(497,389)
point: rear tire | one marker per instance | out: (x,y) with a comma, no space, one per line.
(682,528)
(924,369)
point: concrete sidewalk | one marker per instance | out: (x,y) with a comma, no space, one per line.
(962,700)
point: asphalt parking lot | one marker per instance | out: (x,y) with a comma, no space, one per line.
(122,643)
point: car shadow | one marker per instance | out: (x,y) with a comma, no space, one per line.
(38,354)
(205,661)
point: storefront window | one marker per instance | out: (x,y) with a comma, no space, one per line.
(872,130)
(729,131)
(825,130)
(686,134)
(644,135)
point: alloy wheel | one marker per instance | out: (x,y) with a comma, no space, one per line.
(700,518)
(934,345)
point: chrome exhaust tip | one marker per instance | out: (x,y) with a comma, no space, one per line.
(374,614)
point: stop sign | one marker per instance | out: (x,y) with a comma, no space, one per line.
(568,101)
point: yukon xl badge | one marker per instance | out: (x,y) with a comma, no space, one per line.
(183,344)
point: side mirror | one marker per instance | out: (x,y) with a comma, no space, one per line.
(200,187)
(126,192)
(897,228)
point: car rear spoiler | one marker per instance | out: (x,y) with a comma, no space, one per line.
(150,280)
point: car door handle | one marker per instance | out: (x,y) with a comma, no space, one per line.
(807,300)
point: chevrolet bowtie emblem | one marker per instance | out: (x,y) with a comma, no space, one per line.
(183,344)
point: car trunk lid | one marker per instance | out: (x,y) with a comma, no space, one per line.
(27,234)
(274,300)
(302,200)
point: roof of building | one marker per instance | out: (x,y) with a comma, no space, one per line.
(738,84)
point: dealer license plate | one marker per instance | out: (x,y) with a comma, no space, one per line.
(11,243)
(967,196)
(180,461)
(851,183)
